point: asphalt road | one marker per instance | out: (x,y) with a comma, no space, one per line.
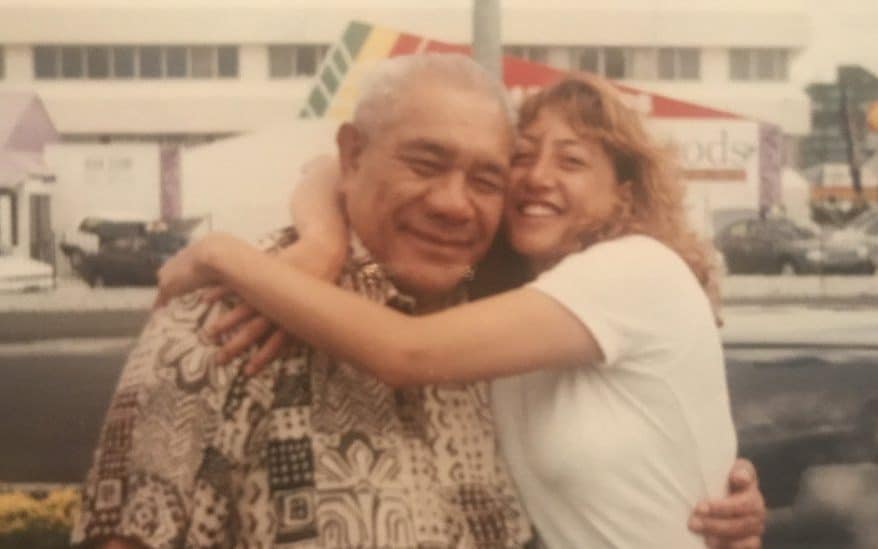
(54,394)
(52,405)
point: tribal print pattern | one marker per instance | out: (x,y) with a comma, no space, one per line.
(308,453)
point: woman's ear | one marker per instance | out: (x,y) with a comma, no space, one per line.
(350,143)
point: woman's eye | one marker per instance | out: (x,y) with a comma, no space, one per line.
(572,162)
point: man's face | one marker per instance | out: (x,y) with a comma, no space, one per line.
(425,194)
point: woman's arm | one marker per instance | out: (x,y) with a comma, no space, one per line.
(512,333)
(320,250)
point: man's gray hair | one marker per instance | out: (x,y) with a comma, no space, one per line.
(389,79)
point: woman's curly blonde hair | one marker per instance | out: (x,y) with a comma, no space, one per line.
(655,191)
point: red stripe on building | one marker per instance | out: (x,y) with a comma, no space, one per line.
(406,44)
(527,74)
(665,107)
(442,47)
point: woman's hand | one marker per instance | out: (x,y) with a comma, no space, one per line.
(189,269)
(321,251)
(245,327)
(736,521)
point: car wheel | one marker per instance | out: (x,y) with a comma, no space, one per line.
(76,260)
(789,267)
(97,281)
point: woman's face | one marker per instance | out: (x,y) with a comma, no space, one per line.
(562,188)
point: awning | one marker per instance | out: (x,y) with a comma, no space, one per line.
(16,167)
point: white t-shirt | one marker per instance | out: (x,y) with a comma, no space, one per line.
(617,455)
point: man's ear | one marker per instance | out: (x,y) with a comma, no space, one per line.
(350,143)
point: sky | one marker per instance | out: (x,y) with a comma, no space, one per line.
(843,31)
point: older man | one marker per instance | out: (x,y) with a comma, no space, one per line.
(311,452)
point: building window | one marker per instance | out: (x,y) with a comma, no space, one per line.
(616,63)
(128,61)
(639,63)
(537,54)
(589,60)
(202,62)
(150,61)
(679,63)
(227,61)
(758,64)
(176,62)
(288,61)
(612,62)
(71,62)
(123,62)
(97,62)
(45,62)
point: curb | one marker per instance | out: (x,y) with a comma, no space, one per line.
(22,326)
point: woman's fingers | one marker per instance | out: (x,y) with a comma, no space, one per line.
(267,352)
(214,293)
(252,332)
(229,320)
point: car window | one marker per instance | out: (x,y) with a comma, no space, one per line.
(738,230)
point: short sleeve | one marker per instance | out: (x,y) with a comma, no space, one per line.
(631,293)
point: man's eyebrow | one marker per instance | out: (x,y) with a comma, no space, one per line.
(424,146)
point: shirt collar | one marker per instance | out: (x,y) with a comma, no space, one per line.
(372,276)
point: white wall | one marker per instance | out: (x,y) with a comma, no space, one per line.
(244,183)
(253,101)
(719,148)
(103,178)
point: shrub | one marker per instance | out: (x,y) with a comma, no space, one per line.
(38,523)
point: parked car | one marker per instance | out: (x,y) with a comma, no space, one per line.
(778,245)
(23,274)
(118,250)
(863,229)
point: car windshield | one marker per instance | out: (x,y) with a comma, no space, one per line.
(791,230)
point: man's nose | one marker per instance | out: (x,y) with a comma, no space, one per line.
(450,199)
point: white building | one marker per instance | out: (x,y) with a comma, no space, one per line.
(191,70)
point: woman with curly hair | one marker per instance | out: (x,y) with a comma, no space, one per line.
(609,385)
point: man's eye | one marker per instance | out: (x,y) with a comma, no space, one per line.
(424,167)
(487,184)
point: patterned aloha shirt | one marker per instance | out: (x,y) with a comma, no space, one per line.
(308,453)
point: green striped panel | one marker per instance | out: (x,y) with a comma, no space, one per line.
(355,36)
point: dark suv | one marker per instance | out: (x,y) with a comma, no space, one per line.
(778,245)
(128,252)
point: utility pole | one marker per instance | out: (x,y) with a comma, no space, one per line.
(487,44)
(850,131)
